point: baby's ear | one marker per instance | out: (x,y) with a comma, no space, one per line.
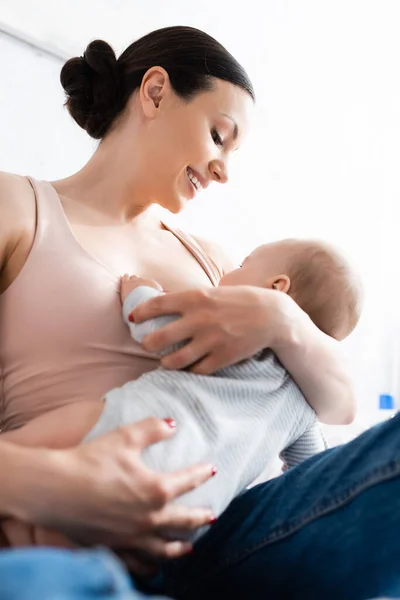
(281,283)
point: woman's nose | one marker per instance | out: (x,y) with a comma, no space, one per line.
(219,171)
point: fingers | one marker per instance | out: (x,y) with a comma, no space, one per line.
(144,558)
(207,365)
(161,489)
(191,353)
(173,485)
(158,548)
(203,344)
(180,518)
(153,283)
(146,432)
(46,537)
(211,363)
(157,488)
(172,303)
(17,533)
(169,334)
(4,542)
(133,281)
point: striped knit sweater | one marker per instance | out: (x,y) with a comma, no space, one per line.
(240,418)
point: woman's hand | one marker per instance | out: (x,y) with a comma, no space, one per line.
(227,324)
(101,492)
(224,325)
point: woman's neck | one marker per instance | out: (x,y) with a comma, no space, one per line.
(103,186)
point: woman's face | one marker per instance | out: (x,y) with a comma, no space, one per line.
(186,144)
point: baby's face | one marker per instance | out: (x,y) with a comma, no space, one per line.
(262,266)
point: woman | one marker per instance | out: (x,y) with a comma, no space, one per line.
(168,112)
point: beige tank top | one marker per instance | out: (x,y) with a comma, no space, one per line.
(62,338)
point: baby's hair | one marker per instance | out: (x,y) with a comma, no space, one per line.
(325,286)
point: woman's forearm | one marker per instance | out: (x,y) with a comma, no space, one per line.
(316,364)
(100,492)
(9,468)
(62,427)
(18,466)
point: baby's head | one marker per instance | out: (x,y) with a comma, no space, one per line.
(314,274)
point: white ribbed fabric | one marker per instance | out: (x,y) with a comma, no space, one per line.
(239,419)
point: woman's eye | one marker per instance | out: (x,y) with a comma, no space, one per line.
(216,137)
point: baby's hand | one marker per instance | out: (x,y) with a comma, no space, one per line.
(131,282)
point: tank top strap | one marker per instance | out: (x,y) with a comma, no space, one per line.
(211,269)
(51,221)
(50,216)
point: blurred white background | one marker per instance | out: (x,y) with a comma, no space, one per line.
(324,154)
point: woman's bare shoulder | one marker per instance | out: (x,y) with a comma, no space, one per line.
(17,213)
(15,193)
(218,255)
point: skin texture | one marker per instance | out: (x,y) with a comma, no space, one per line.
(145,160)
(109,201)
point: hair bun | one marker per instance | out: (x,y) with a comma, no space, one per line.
(91,83)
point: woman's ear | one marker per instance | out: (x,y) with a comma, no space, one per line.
(281,283)
(155,85)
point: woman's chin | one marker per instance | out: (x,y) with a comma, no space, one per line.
(178,205)
(176,201)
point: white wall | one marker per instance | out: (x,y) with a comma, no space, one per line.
(322,160)
(37,136)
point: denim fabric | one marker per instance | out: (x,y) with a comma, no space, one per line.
(51,574)
(328,529)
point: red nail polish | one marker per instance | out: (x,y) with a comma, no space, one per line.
(131,318)
(213,520)
(170,422)
(214,471)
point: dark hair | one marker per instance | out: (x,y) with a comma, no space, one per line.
(98,85)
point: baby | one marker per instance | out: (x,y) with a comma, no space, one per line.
(240,417)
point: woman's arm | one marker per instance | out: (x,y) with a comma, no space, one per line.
(312,358)
(63,427)
(17,225)
(229,324)
(316,363)
(101,492)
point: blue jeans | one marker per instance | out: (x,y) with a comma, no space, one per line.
(50,574)
(330,528)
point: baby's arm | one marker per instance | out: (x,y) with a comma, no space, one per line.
(309,443)
(134,291)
